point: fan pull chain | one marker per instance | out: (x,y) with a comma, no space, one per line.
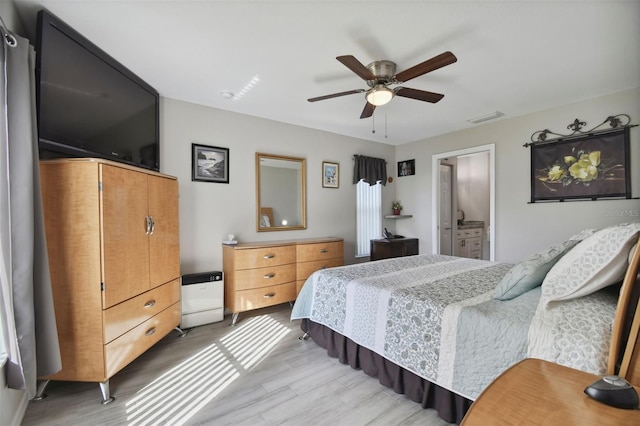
(385,124)
(373,123)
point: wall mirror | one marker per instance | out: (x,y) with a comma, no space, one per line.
(280,193)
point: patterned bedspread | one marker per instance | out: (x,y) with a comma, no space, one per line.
(435,316)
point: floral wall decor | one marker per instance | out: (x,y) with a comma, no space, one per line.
(586,167)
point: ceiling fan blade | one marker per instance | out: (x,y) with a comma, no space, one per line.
(335,95)
(368,110)
(420,95)
(356,66)
(429,65)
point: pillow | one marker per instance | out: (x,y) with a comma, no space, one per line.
(595,263)
(530,273)
(583,235)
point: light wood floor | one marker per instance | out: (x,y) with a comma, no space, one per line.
(256,373)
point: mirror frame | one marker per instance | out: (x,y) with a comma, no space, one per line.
(303,192)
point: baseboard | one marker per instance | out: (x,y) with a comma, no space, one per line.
(13,403)
(21,410)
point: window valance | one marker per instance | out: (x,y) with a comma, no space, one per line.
(369,169)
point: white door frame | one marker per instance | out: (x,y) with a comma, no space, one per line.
(435,194)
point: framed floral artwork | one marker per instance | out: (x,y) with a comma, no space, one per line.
(330,175)
(589,168)
(209,163)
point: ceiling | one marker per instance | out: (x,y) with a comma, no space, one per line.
(515,57)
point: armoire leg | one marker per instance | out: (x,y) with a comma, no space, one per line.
(106,398)
(234,318)
(40,395)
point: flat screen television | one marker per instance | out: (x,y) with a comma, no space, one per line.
(90,105)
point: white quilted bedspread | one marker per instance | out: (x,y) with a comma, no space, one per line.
(435,316)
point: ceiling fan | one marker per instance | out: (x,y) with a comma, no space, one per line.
(379,75)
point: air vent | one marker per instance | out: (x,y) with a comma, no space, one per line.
(486,117)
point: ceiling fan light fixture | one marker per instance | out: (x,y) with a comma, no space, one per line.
(379,95)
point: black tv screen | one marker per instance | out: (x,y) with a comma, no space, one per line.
(90,105)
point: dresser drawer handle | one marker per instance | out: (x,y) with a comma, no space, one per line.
(269,256)
(150,304)
(324,251)
(269,295)
(150,331)
(268,276)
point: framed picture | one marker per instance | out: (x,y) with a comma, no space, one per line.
(209,163)
(590,167)
(330,175)
(406,168)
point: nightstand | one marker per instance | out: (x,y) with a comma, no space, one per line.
(537,392)
(394,247)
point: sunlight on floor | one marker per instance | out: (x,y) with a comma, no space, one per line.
(178,394)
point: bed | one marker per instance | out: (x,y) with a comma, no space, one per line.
(439,329)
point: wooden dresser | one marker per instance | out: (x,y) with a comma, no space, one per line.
(113,246)
(268,273)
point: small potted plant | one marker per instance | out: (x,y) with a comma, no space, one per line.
(397,207)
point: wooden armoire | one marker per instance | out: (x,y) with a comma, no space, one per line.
(113,244)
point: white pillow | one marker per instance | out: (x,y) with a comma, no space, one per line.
(583,235)
(598,261)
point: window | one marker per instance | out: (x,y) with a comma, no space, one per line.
(368,216)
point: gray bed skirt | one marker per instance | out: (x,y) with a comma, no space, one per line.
(451,407)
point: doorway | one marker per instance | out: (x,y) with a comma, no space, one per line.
(443,208)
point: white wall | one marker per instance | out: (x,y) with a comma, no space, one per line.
(473,186)
(210,211)
(520,227)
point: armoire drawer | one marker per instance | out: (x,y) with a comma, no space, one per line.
(319,251)
(135,342)
(305,269)
(261,257)
(124,316)
(266,296)
(264,277)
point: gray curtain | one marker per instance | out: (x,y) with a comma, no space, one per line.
(29,330)
(369,169)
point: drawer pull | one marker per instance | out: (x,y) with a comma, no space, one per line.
(150,331)
(147,223)
(269,256)
(268,276)
(269,295)
(150,304)
(324,251)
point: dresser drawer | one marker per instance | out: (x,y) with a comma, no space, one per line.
(261,257)
(132,344)
(124,316)
(307,268)
(264,277)
(266,296)
(469,233)
(474,243)
(319,251)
